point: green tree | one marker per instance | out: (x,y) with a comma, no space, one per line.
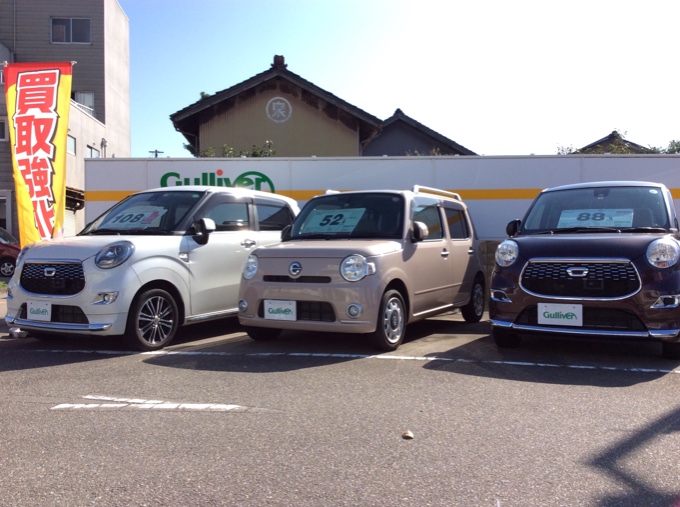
(619,146)
(266,150)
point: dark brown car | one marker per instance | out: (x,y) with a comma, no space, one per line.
(594,260)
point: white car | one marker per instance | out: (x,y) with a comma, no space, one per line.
(155,261)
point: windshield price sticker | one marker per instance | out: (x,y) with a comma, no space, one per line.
(39,310)
(596,218)
(560,315)
(279,310)
(332,221)
(137,217)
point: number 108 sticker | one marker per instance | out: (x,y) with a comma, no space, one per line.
(136,218)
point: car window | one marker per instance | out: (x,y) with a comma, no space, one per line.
(619,207)
(272,217)
(455,219)
(427,212)
(351,215)
(229,216)
(146,213)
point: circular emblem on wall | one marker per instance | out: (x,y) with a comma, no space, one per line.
(279,110)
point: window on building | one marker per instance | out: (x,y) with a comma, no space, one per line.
(92,152)
(71,145)
(3,130)
(71,31)
(2,76)
(85,101)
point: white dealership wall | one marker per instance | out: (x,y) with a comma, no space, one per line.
(496,189)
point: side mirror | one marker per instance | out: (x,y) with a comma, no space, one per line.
(513,227)
(285,233)
(419,232)
(202,229)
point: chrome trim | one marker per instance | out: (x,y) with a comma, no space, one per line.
(501,298)
(549,260)
(211,316)
(658,333)
(54,326)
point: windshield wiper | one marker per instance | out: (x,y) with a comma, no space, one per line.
(130,232)
(643,229)
(102,232)
(571,230)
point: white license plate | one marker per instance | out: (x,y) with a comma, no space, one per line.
(279,310)
(39,310)
(552,314)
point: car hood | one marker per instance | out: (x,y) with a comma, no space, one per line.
(84,247)
(588,245)
(301,249)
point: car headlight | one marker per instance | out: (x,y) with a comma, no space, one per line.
(250,267)
(663,253)
(355,267)
(507,253)
(114,255)
(21,255)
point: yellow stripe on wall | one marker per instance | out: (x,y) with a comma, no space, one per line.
(107,195)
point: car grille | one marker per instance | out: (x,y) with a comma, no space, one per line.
(68,278)
(309,310)
(596,319)
(603,279)
(300,279)
(62,313)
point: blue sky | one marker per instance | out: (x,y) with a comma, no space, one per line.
(498,77)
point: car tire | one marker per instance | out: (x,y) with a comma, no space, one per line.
(473,311)
(263,334)
(152,321)
(505,339)
(391,326)
(7,265)
(670,350)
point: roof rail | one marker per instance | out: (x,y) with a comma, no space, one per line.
(430,190)
(330,191)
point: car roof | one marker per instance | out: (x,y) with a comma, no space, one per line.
(244,192)
(595,184)
(416,190)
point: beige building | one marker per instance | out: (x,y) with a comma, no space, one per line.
(277,105)
(95,35)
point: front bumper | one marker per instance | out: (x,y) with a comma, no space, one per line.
(366,294)
(86,313)
(634,317)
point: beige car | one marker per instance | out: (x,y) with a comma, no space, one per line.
(366,262)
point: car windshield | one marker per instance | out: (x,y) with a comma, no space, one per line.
(146,213)
(6,237)
(351,215)
(596,209)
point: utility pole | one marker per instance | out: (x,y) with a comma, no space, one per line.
(156,153)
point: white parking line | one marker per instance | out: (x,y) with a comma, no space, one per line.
(115,403)
(363,356)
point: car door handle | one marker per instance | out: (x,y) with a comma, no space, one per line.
(248,243)
(445,253)
(471,251)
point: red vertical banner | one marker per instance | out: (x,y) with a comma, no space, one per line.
(38,99)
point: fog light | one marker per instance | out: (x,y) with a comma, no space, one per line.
(105,298)
(667,302)
(354,310)
(500,296)
(242,305)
